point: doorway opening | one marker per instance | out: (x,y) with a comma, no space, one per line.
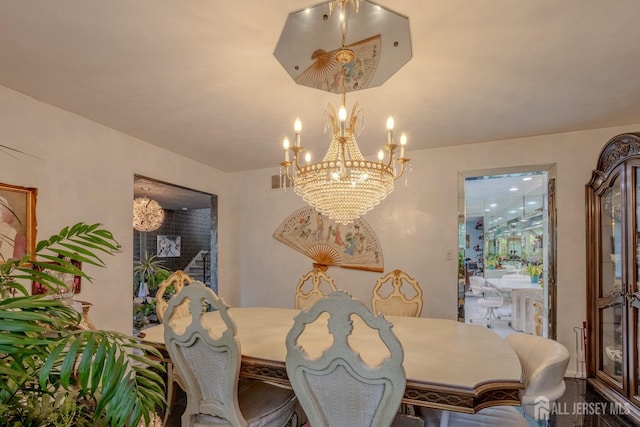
(507,263)
(186,240)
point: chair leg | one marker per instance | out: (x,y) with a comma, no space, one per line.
(444,419)
(170,392)
(490,317)
(484,316)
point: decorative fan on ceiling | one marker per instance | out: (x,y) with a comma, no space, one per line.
(328,243)
(378,38)
(325,73)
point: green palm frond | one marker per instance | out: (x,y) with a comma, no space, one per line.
(52,373)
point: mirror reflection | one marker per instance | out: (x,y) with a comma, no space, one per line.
(509,212)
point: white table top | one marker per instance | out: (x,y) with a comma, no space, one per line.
(512,284)
(488,273)
(439,354)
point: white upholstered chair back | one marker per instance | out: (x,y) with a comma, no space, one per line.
(338,388)
(544,363)
(179,279)
(476,283)
(320,285)
(398,302)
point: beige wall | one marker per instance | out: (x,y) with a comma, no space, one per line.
(417,224)
(85,173)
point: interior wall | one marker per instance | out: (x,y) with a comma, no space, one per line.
(84,172)
(418,225)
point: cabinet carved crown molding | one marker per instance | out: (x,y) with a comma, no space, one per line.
(614,152)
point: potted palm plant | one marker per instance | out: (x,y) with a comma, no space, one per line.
(53,373)
(148,270)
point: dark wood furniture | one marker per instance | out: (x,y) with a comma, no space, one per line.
(613,273)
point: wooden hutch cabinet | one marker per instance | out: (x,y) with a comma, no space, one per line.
(613,272)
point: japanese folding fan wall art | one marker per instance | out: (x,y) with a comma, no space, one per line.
(328,243)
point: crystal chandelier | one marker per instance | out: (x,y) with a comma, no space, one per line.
(147,214)
(344,185)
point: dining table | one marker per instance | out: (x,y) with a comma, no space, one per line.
(449,365)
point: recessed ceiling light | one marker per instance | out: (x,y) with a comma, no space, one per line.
(512,212)
(532,203)
(487,210)
(493,205)
(527,178)
(513,189)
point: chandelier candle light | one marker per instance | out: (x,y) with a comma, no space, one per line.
(344,185)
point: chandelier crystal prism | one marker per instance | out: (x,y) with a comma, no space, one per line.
(344,185)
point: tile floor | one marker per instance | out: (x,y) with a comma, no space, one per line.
(473,313)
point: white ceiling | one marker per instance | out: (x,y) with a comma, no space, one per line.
(169,196)
(501,198)
(199,77)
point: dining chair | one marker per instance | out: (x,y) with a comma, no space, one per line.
(490,298)
(321,285)
(397,302)
(337,387)
(179,279)
(208,364)
(538,309)
(544,364)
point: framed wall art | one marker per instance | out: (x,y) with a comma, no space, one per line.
(17,221)
(38,288)
(168,246)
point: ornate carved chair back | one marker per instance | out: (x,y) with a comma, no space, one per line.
(338,388)
(321,286)
(538,308)
(208,366)
(397,302)
(179,279)
(206,354)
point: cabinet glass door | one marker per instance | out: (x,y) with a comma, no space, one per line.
(611,293)
(635,291)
